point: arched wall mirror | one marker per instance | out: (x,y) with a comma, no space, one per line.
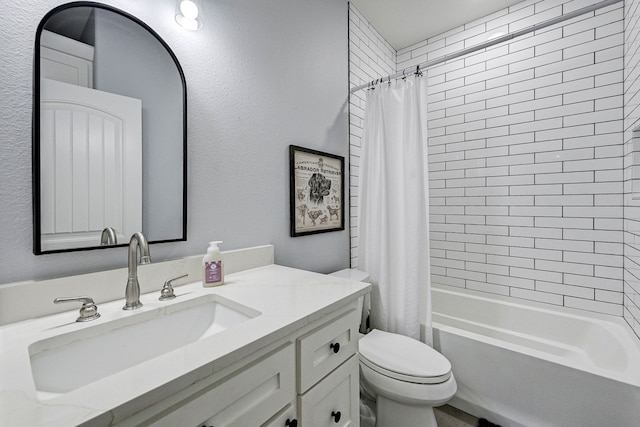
(109,131)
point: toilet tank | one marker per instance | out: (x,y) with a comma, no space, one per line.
(364,303)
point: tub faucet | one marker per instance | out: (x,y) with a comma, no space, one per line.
(132,292)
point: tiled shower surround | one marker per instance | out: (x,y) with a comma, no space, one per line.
(631,170)
(370,57)
(526,154)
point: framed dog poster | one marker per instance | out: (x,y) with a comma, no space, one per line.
(317,191)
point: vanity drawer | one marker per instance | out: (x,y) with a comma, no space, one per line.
(335,401)
(248,398)
(288,417)
(325,348)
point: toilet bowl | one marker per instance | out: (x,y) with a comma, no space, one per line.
(405,377)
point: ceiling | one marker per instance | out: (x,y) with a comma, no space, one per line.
(405,22)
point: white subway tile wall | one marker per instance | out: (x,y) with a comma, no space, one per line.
(526,154)
(631,299)
(370,57)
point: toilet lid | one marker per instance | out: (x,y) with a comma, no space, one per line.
(403,358)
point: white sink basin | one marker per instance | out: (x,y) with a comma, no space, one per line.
(68,361)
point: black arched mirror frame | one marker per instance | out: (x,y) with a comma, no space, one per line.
(176,203)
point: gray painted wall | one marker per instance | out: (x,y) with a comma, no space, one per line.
(129,61)
(260,76)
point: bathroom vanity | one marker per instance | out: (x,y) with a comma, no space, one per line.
(274,346)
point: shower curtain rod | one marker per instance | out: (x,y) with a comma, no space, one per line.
(489,43)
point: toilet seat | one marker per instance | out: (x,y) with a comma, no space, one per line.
(377,384)
(403,358)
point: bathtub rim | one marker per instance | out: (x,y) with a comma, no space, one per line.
(542,306)
(631,345)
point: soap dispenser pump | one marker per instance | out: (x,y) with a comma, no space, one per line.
(212,267)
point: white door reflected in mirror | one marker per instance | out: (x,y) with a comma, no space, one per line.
(91,165)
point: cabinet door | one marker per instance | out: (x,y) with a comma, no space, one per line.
(325,348)
(334,401)
(249,398)
(66,60)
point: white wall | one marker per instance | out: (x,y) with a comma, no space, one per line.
(526,149)
(632,166)
(260,76)
(370,57)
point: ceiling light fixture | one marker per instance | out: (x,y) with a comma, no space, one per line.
(188,14)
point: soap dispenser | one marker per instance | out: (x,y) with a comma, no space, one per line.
(212,268)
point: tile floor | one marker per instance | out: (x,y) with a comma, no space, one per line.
(448,416)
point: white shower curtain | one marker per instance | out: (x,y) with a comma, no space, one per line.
(393,207)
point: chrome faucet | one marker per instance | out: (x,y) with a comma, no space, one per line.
(132,293)
(108,237)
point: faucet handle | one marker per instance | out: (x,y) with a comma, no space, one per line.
(167,290)
(88,311)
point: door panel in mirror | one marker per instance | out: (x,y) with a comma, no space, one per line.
(90,141)
(95,186)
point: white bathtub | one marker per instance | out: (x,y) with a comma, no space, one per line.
(534,365)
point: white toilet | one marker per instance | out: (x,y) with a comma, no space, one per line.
(405,377)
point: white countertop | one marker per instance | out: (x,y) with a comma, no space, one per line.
(288,299)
